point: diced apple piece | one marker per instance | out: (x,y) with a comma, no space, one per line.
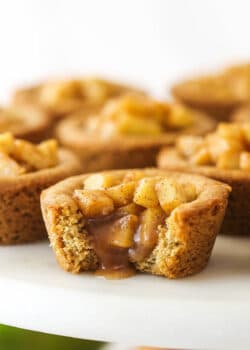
(6,142)
(215,145)
(134,175)
(218,145)
(26,152)
(245,160)
(171,194)
(123,231)
(57,91)
(229,160)
(101,181)
(179,117)
(49,152)
(190,191)
(131,208)
(131,125)
(230,131)
(93,203)
(38,158)
(189,145)
(122,194)
(145,193)
(137,106)
(150,220)
(8,167)
(97,90)
(202,157)
(147,233)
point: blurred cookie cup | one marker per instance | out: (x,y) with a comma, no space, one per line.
(217,94)
(128,132)
(225,156)
(61,97)
(25,170)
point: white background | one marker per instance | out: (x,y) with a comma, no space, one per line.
(151,42)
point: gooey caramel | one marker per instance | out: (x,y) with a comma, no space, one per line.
(118,240)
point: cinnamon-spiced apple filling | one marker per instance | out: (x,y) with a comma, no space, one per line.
(123,214)
(227,148)
(91,89)
(18,157)
(135,115)
(67,95)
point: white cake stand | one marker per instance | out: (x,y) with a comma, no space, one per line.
(208,311)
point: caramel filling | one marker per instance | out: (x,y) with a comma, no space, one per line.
(123,217)
(115,249)
(114,259)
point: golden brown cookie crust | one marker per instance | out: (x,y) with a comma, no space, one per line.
(121,152)
(184,250)
(237,215)
(20,213)
(220,109)
(35,123)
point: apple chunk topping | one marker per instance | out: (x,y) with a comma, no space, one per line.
(145,194)
(94,203)
(135,115)
(171,194)
(226,148)
(18,157)
(122,194)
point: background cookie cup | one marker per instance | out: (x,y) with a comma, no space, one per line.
(121,151)
(217,94)
(62,97)
(183,243)
(236,220)
(20,213)
(194,93)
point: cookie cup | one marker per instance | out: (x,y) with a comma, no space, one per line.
(183,247)
(238,212)
(121,152)
(20,213)
(220,108)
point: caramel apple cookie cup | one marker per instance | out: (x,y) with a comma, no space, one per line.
(207,95)
(25,170)
(148,220)
(128,132)
(218,94)
(223,156)
(61,97)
